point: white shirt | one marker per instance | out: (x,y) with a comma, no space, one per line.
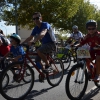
(76,36)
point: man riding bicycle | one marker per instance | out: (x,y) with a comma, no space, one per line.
(76,35)
(44,33)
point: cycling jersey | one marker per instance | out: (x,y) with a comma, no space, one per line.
(77,35)
(16,51)
(49,36)
(92,40)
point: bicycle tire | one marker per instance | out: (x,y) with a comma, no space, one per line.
(51,77)
(26,74)
(8,92)
(70,86)
(67,62)
(6,83)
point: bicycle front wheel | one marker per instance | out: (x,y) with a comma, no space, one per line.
(6,81)
(54,78)
(76,82)
(16,89)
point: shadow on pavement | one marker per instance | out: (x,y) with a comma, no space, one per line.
(35,93)
(66,72)
(91,94)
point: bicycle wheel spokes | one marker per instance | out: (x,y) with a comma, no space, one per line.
(76,83)
(55,77)
(5,81)
(67,62)
(16,89)
(27,76)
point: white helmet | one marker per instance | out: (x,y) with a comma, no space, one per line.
(91,23)
(75,27)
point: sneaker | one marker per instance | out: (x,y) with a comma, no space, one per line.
(48,69)
(97,78)
(41,79)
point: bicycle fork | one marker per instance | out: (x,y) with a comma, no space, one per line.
(82,74)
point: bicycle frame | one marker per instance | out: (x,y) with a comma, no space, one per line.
(35,54)
(84,61)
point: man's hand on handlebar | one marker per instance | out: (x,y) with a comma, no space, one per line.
(31,43)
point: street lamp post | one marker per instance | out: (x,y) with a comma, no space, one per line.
(16,20)
(5,29)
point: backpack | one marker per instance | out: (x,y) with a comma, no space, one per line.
(4,40)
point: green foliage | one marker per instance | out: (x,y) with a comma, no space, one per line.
(86,11)
(61,13)
(53,11)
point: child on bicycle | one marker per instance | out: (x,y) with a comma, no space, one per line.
(4,49)
(93,40)
(16,49)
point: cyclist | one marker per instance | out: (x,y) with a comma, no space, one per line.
(93,40)
(1,33)
(76,35)
(16,49)
(46,35)
(4,49)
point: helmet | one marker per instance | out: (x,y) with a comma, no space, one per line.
(75,27)
(16,37)
(91,23)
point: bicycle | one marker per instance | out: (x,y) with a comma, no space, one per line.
(78,76)
(19,89)
(6,62)
(68,55)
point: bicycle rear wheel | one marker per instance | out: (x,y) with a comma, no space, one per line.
(75,86)
(67,62)
(16,89)
(54,78)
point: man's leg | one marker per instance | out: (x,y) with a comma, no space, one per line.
(45,48)
(43,57)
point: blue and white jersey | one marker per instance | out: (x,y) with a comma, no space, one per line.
(77,35)
(16,51)
(49,36)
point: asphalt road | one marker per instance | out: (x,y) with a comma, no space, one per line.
(43,91)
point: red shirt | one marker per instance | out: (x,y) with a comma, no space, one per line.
(91,40)
(4,49)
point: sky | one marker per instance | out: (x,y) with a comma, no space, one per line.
(11,29)
(95,2)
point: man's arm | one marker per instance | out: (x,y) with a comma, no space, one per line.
(28,39)
(68,40)
(41,35)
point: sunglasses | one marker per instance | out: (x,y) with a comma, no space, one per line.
(37,18)
(91,28)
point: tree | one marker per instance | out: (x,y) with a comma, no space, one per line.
(53,11)
(86,11)
(61,13)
